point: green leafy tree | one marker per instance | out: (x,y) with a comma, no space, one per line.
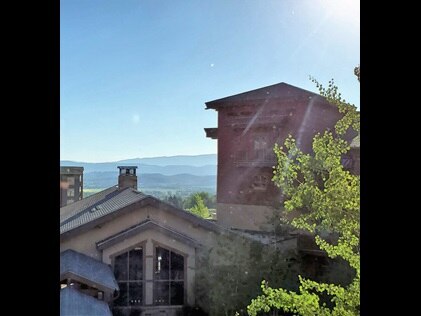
(209,200)
(200,209)
(326,198)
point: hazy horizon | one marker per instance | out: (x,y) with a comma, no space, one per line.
(167,156)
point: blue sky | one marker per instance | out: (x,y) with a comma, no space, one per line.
(135,74)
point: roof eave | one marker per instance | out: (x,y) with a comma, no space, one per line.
(144,226)
(147,200)
(215,104)
(104,219)
(211,132)
(85,279)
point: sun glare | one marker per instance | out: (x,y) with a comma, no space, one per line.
(346,11)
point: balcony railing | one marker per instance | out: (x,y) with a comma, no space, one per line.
(260,159)
(267,119)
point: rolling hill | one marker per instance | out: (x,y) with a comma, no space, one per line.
(200,165)
(156,175)
(150,180)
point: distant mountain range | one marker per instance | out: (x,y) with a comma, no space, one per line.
(173,173)
(199,165)
(151,180)
(192,160)
(196,160)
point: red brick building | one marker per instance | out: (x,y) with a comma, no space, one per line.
(249,124)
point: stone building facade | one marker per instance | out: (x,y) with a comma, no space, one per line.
(149,246)
(249,125)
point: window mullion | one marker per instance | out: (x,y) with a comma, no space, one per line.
(169,265)
(169,277)
(128,278)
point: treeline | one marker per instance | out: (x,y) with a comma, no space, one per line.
(209,200)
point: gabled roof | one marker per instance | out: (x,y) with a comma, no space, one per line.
(83,267)
(143,226)
(279,90)
(106,205)
(73,302)
(73,208)
(97,206)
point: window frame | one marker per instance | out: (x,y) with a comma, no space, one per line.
(128,281)
(71,192)
(184,280)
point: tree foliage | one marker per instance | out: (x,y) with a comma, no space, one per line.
(327,198)
(228,276)
(188,201)
(174,199)
(200,209)
(208,199)
(357,72)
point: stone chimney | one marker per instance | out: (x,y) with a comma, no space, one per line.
(127,177)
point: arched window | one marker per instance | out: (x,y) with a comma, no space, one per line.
(168,277)
(128,271)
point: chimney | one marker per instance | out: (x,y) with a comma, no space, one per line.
(127,177)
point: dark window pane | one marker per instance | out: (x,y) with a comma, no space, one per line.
(120,266)
(162,264)
(177,293)
(119,312)
(122,299)
(177,266)
(136,264)
(135,293)
(161,293)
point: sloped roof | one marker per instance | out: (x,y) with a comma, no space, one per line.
(73,208)
(97,206)
(105,205)
(279,90)
(75,303)
(85,267)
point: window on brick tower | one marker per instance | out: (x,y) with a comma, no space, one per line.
(241,156)
(260,147)
(260,182)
